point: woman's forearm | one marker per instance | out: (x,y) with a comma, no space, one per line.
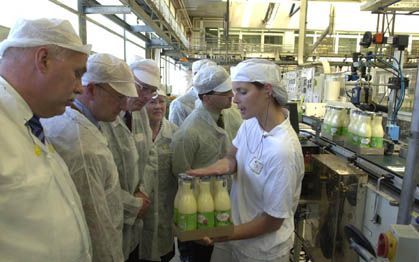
(260,225)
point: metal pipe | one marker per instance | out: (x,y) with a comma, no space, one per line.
(411,176)
(302,31)
(329,29)
(82,21)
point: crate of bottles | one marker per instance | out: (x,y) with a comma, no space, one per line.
(202,208)
(335,124)
(365,133)
(363,150)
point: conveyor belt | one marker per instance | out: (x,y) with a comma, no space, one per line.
(375,166)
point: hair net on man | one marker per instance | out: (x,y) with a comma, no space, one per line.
(262,71)
(212,78)
(197,65)
(39,32)
(160,92)
(106,68)
(146,71)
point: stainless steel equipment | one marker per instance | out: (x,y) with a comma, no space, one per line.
(341,202)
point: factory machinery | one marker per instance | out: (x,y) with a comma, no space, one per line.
(359,205)
(377,194)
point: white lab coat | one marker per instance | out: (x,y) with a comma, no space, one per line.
(270,168)
(182,106)
(91,165)
(142,136)
(41,217)
(122,144)
(161,185)
(199,142)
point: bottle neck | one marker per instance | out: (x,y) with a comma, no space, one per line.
(365,119)
(219,185)
(377,120)
(204,187)
(186,187)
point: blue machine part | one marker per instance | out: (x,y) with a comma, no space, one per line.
(356,95)
(393,131)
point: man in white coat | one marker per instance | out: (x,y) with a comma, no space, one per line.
(201,139)
(129,139)
(77,137)
(183,105)
(41,217)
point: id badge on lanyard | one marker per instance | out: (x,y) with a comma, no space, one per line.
(256,166)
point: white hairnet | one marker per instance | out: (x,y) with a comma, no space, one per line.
(161,92)
(197,65)
(212,78)
(147,71)
(262,71)
(106,68)
(31,33)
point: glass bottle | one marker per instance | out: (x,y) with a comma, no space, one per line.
(187,207)
(222,203)
(377,133)
(205,204)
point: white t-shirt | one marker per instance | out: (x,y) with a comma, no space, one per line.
(270,168)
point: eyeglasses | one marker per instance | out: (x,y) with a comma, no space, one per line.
(118,96)
(228,93)
(151,89)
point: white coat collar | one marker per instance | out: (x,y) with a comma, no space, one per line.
(277,129)
(84,122)
(16,105)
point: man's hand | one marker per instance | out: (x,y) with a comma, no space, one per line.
(146,203)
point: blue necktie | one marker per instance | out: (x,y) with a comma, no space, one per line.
(36,128)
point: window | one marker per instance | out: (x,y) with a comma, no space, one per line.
(34,10)
(415,48)
(133,52)
(234,42)
(273,40)
(347,45)
(252,39)
(104,41)
(326,46)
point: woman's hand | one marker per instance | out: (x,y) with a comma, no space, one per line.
(224,166)
(221,167)
(207,241)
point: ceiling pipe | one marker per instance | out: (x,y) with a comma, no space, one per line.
(329,30)
(302,31)
(268,13)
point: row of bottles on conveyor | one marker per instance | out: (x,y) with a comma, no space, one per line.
(363,129)
(210,208)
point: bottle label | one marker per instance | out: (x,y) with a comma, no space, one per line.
(349,137)
(222,218)
(326,128)
(175,215)
(377,142)
(364,142)
(187,222)
(205,219)
(355,139)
